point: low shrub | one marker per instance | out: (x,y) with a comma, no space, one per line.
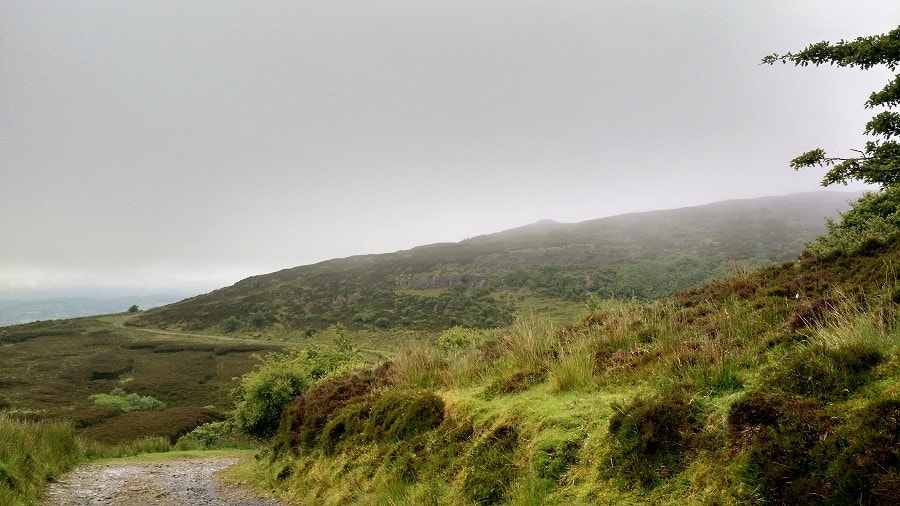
(107,366)
(651,438)
(305,418)
(826,373)
(812,313)
(170,423)
(222,434)
(118,399)
(866,469)
(263,393)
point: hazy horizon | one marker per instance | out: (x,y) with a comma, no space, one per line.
(169,146)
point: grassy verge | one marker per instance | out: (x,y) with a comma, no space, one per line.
(30,454)
(33,453)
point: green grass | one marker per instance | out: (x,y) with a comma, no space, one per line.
(30,454)
(94,374)
(33,453)
(691,399)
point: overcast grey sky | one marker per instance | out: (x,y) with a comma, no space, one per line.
(160,144)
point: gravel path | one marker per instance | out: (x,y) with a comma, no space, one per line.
(189,481)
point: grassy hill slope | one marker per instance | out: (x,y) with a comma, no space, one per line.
(779,386)
(485,281)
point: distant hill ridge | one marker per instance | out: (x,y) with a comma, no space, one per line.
(484,281)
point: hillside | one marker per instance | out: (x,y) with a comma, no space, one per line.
(780,386)
(485,281)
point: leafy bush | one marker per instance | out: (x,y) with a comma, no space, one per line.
(874,217)
(222,434)
(118,399)
(650,438)
(304,419)
(263,394)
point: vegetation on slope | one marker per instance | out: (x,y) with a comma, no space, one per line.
(487,281)
(779,386)
(116,384)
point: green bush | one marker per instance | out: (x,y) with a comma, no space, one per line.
(797,454)
(874,217)
(263,393)
(118,399)
(222,434)
(305,418)
(651,438)
(867,469)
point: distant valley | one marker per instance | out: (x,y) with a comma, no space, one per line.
(14,312)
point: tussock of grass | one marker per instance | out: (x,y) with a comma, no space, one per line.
(30,454)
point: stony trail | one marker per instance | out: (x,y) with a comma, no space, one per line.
(185,481)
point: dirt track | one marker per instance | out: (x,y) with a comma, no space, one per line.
(165,482)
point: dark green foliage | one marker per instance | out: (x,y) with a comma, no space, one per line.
(350,421)
(401,415)
(554,458)
(170,423)
(826,373)
(783,458)
(490,466)
(133,308)
(867,469)
(231,324)
(879,161)
(651,438)
(864,229)
(262,395)
(797,454)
